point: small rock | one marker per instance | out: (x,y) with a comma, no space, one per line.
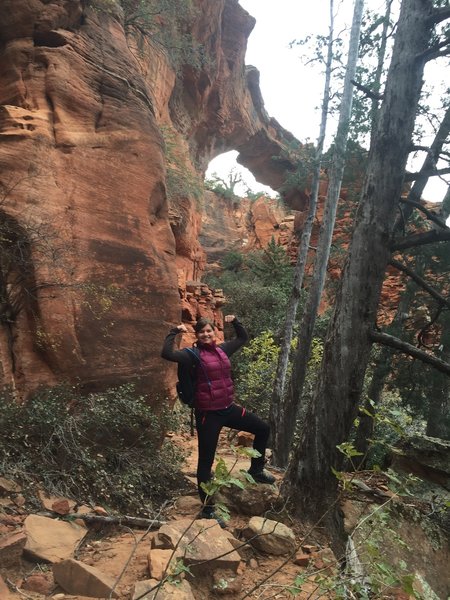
(78,578)
(245,439)
(99,510)
(7,486)
(302,559)
(180,591)
(158,560)
(61,507)
(11,549)
(4,591)
(226,583)
(19,500)
(200,541)
(38,583)
(272,537)
(253,564)
(188,505)
(308,549)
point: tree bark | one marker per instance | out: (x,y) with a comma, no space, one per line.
(329,417)
(280,448)
(325,237)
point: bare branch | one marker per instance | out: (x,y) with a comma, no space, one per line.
(389,340)
(420,239)
(428,213)
(420,281)
(367,91)
(426,174)
(440,14)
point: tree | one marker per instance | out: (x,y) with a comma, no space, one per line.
(315,288)
(277,406)
(330,415)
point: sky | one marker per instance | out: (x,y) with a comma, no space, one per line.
(292,90)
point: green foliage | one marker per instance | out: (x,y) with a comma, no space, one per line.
(94,448)
(304,157)
(167,22)
(233,261)
(258,291)
(257,367)
(225,187)
(392,422)
(181,179)
(223,477)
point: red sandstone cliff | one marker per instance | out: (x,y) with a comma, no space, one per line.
(88,113)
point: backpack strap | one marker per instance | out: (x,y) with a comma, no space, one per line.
(196,353)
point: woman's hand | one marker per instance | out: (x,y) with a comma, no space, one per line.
(229,318)
(182,328)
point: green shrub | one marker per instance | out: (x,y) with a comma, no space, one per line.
(100,448)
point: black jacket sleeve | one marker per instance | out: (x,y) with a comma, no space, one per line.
(241,338)
(169,353)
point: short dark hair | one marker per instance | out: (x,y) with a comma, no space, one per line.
(203,322)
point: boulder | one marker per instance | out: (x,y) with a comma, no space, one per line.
(272,537)
(254,499)
(200,541)
(426,457)
(158,559)
(180,591)
(49,540)
(78,578)
(226,584)
(41,583)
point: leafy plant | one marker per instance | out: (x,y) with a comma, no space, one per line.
(95,448)
(181,180)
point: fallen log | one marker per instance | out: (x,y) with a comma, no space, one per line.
(138,522)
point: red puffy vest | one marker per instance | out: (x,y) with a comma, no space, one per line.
(214,386)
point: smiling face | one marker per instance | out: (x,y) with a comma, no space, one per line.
(206,335)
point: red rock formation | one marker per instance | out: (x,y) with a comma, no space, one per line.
(84,162)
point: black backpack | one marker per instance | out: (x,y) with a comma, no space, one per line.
(186,379)
(186,382)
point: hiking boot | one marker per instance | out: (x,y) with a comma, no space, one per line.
(208,513)
(262,477)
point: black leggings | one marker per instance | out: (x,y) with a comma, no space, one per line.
(209,424)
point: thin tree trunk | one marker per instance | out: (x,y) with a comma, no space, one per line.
(374,109)
(326,232)
(330,415)
(276,415)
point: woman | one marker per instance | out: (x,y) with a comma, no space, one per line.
(214,399)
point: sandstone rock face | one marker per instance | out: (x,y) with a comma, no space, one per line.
(86,110)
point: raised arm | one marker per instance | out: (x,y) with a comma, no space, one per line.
(241,336)
(169,353)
